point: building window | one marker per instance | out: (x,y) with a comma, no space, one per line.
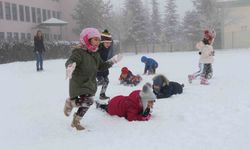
(23,36)
(39,15)
(21,12)
(33,12)
(243,28)
(14,11)
(9,36)
(1,36)
(54,14)
(7,11)
(49,14)
(16,36)
(28,36)
(44,15)
(1,10)
(58,14)
(27,13)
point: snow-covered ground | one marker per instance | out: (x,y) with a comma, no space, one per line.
(214,117)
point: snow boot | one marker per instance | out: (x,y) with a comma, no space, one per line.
(190,78)
(103,96)
(204,81)
(76,122)
(69,104)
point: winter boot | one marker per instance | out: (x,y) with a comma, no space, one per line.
(204,81)
(69,104)
(76,123)
(103,96)
(190,78)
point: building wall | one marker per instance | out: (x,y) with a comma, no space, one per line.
(237,33)
(16,23)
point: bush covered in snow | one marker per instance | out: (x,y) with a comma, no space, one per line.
(24,51)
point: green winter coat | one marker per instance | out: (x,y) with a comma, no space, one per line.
(83,79)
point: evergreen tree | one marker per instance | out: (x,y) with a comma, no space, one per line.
(208,13)
(171,23)
(190,28)
(91,13)
(155,23)
(135,22)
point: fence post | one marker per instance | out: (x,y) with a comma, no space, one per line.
(232,39)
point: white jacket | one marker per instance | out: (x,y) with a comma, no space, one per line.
(207,53)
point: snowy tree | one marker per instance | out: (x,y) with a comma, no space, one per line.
(190,27)
(155,23)
(135,25)
(208,13)
(92,13)
(171,23)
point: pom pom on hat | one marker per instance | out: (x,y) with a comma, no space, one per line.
(106,36)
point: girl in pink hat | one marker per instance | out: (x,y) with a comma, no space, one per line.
(206,53)
(81,69)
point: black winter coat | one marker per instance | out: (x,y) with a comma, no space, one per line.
(105,54)
(169,90)
(39,46)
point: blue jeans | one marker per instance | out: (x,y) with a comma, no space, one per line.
(39,60)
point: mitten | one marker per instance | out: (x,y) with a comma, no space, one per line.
(148,117)
(69,70)
(116,58)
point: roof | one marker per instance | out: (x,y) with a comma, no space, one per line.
(233,3)
(53,22)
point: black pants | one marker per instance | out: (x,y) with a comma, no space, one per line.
(104,80)
(83,102)
(206,70)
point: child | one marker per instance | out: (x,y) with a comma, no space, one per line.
(105,50)
(39,50)
(135,107)
(82,67)
(127,78)
(209,39)
(164,88)
(150,65)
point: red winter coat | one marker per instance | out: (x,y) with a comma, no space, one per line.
(129,107)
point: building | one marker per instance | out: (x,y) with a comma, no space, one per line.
(19,20)
(235,28)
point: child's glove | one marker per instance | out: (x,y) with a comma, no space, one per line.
(116,58)
(69,70)
(148,117)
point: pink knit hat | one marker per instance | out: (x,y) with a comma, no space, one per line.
(87,34)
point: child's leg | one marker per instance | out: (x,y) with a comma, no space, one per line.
(203,75)
(209,71)
(199,72)
(104,88)
(84,102)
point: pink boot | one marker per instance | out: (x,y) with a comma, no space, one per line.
(190,78)
(204,81)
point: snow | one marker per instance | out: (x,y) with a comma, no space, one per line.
(213,117)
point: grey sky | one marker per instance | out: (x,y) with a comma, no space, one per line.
(182,5)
